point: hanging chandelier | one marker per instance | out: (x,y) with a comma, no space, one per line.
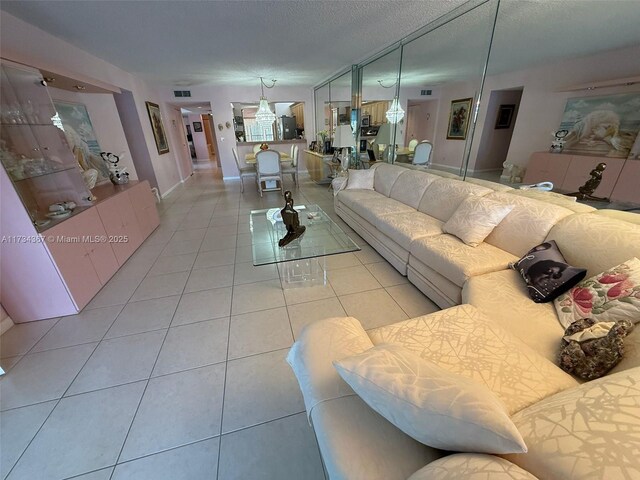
(395,113)
(264,116)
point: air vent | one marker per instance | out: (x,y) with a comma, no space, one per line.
(182,93)
(425,92)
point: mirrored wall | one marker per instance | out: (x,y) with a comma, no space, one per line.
(289,124)
(517,92)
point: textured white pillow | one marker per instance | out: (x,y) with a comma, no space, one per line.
(430,404)
(475,219)
(476,466)
(362,179)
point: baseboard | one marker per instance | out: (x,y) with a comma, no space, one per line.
(484,170)
(446,168)
(5,324)
(171,189)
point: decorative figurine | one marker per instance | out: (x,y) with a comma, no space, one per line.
(264,146)
(558,144)
(585,192)
(117,175)
(291,221)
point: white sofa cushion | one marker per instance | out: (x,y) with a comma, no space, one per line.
(356,197)
(360,179)
(475,218)
(596,242)
(471,466)
(443,197)
(497,187)
(450,257)
(589,432)
(428,403)
(466,342)
(503,295)
(555,199)
(410,186)
(376,208)
(385,176)
(404,228)
(527,224)
(317,346)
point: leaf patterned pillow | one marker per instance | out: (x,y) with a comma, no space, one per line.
(607,297)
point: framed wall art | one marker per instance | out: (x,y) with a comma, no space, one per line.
(157,126)
(197,126)
(505,116)
(459,119)
(366,120)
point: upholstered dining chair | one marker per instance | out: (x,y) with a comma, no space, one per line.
(245,171)
(422,154)
(256,148)
(293,168)
(413,144)
(269,169)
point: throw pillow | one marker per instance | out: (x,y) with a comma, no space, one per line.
(607,297)
(430,404)
(361,179)
(546,272)
(475,219)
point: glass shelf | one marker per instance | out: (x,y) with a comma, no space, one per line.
(50,172)
(26,124)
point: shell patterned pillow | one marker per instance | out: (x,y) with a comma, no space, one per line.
(610,296)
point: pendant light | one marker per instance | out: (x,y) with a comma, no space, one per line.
(395,113)
(264,116)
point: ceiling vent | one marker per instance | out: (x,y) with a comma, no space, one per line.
(425,92)
(182,93)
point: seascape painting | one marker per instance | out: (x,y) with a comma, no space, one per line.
(605,126)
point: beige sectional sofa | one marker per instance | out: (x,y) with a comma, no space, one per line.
(489,330)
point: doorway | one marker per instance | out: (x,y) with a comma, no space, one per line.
(210,135)
(499,123)
(421,116)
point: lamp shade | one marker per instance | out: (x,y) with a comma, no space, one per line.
(264,116)
(343,137)
(384,134)
(395,112)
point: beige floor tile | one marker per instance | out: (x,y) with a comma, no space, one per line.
(215,258)
(253,297)
(173,264)
(20,338)
(189,235)
(308,294)
(373,309)
(248,273)
(161,286)
(205,305)
(304,313)
(181,247)
(144,316)
(218,243)
(343,260)
(193,345)
(259,332)
(209,278)
(258,389)
(352,280)
(367,254)
(412,300)
(386,275)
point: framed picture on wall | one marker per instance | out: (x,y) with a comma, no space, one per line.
(197,126)
(366,120)
(159,134)
(459,119)
(505,115)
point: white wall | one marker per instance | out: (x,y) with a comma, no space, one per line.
(105,120)
(24,43)
(221,98)
(199,138)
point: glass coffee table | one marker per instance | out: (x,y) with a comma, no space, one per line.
(301,262)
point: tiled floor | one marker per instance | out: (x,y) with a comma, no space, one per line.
(176,369)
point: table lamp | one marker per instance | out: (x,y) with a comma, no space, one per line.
(343,138)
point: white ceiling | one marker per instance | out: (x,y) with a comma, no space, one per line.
(301,42)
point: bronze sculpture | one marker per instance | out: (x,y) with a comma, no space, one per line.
(585,192)
(291,221)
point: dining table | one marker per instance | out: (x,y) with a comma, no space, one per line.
(250,158)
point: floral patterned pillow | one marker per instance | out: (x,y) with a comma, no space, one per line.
(607,297)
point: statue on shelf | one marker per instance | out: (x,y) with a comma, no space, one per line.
(291,221)
(585,192)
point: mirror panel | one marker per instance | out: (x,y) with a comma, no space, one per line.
(289,124)
(441,78)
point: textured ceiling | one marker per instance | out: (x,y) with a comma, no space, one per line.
(301,42)
(230,42)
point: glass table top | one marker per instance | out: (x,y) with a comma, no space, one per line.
(322,236)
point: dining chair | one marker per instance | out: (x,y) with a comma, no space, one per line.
(293,168)
(268,169)
(413,144)
(293,147)
(422,154)
(245,171)
(256,148)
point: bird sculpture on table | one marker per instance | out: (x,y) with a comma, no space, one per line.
(290,220)
(585,192)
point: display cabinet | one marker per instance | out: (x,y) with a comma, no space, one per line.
(34,150)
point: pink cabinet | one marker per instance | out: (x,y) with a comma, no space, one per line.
(144,206)
(547,167)
(121,225)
